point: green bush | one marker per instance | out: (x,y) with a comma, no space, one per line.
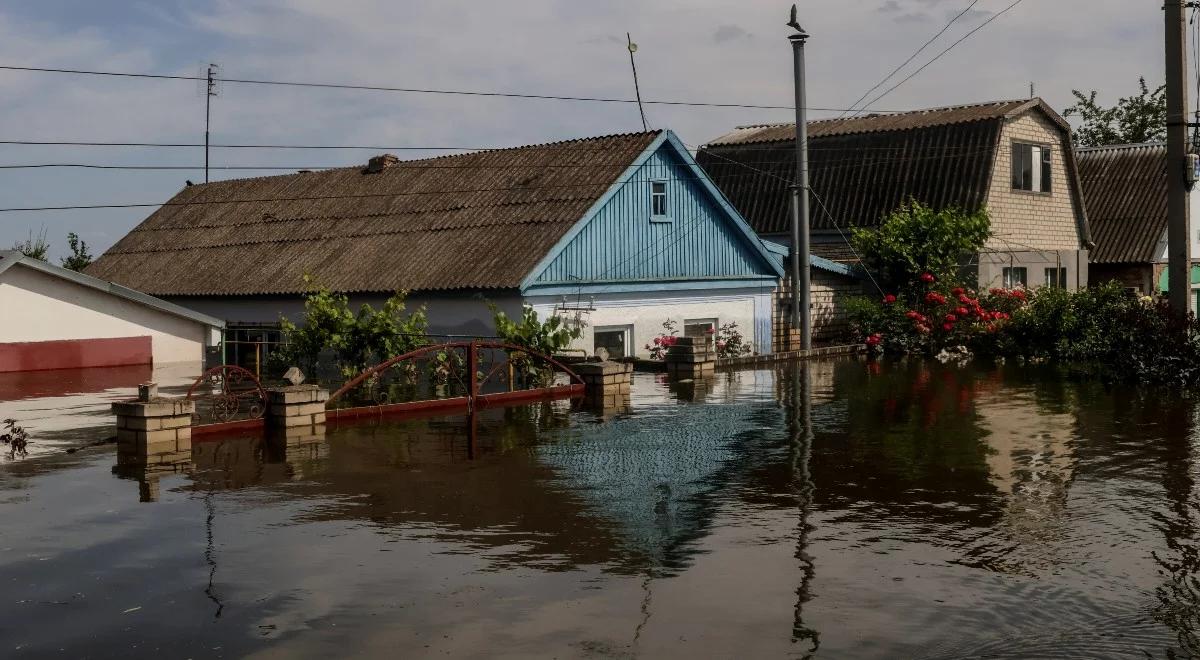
(915,241)
(357,340)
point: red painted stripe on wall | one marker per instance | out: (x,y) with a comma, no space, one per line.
(75,354)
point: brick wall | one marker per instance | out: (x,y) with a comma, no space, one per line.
(830,321)
(1037,220)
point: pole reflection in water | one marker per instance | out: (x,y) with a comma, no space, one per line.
(800,432)
(1179,596)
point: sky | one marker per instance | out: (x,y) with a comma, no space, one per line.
(688,50)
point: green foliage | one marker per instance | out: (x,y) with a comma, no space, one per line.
(357,340)
(916,240)
(34,246)
(729,341)
(531,333)
(1101,331)
(1134,119)
(80,256)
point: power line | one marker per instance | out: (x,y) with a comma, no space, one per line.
(943,53)
(912,57)
(411,90)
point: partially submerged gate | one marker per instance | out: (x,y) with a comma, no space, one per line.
(454,377)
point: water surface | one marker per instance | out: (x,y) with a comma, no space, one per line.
(841,510)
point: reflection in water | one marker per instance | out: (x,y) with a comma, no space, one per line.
(951,512)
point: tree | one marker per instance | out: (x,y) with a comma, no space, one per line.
(34,246)
(916,241)
(80,257)
(1133,120)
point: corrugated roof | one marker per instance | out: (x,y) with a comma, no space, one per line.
(1125,189)
(857,178)
(478,220)
(863,168)
(882,123)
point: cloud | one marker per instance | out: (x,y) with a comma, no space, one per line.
(561,47)
(726,33)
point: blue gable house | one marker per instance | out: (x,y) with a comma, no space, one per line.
(620,233)
(661,246)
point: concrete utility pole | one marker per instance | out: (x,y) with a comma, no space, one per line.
(1179,263)
(801,286)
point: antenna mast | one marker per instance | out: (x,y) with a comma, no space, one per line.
(637,90)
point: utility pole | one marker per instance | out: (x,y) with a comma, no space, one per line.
(801,286)
(1179,262)
(210,91)
(636,88)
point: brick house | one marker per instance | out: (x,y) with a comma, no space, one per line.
(1013,158)
(1125,189)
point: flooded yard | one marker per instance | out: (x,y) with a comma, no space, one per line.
(840,509)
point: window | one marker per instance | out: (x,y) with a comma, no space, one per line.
(1031,167)
(615,340)
(1015,277)
(699,328)
(658,199)
(1056,278)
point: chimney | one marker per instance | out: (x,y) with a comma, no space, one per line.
(380,163)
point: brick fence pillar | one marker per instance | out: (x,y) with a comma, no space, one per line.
(153,430)
(690,358)
(608,383)
(296,406)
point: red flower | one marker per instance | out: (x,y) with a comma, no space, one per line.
(950,318)
(1019,294)
(947,327)
(875,339)
(961,311)
(928,278)
(710,331)
(935,298)
(658,341)
(959,291)
(889,299)
(912,314)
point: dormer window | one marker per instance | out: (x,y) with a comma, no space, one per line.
(658,200)
(1031,167)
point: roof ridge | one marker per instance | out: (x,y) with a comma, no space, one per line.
(891,113)
(1114,147)
(540,145)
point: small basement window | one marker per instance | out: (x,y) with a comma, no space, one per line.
(615,340)
(1015,277)
(1056,278)
(1031,167)
(658,199)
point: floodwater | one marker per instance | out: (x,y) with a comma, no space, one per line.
(844,509)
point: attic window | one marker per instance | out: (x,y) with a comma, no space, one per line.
(658,200)
(1031,167)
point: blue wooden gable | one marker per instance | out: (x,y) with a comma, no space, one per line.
(701,242)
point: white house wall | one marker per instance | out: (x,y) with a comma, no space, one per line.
(646,312)
(38,307)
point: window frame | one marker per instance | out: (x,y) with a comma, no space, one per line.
(626,330)
(1040,171)
(1006,276)
(713,321)
(665,216)
(1059,279)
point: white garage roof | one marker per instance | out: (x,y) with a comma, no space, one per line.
(10,258)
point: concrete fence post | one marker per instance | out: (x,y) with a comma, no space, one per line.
(607,383)
(690,358)
(153,430)
(296,406)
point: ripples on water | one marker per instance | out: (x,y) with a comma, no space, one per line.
(844,510)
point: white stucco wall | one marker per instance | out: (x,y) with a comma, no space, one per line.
(40,307)
(645,312)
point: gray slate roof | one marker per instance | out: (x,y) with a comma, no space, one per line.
(476,220)
(1125,189)
(863,168)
